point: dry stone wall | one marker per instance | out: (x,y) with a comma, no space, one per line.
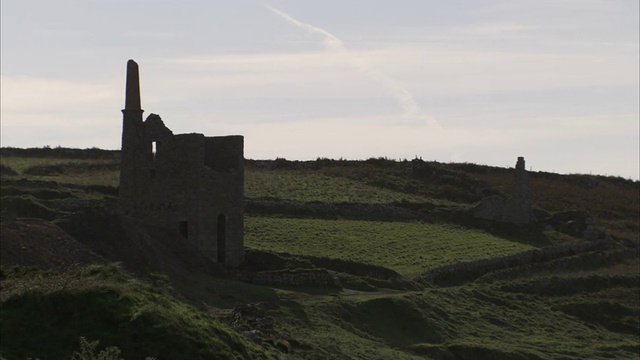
(468,271)
(297,277)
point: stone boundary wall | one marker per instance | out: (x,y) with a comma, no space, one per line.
(584,261)
(297,277)
(565,286)
(48,170)
(378,212)
(258,260)
(350,267)
(468,271)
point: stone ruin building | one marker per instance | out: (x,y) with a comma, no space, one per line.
(518,209)
(190,183)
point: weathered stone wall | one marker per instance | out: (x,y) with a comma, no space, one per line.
(223,186)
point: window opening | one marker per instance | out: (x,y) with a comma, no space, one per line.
(183,229)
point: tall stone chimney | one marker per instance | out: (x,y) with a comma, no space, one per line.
(131,125)
(132,97)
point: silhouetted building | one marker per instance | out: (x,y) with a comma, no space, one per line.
(187,182)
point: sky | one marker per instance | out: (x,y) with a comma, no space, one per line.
(555,81)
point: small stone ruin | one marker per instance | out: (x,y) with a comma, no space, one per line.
(516,210)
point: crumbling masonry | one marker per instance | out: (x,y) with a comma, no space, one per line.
(186,182)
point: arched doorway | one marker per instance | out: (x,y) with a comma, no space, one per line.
(222,238)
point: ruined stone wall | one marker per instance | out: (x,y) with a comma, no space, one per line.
(223,189)
(163,182)
(174,175)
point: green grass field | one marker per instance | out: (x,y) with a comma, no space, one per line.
(410,248)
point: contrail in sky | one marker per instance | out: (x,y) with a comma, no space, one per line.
(405,99)
(330,40)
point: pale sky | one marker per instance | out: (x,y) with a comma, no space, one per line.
(481,81)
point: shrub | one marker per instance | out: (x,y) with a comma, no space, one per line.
(88,351)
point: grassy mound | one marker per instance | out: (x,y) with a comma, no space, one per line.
(43,315)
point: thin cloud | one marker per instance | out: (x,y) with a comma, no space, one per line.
(500,29)
(411,111)
(28,93)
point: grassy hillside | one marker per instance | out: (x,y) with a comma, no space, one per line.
(309,185)
(532,292)
(612,201)
(472,322)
